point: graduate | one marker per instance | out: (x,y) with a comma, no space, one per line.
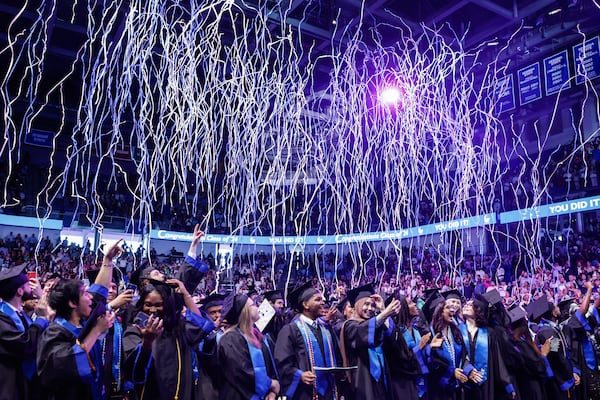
(455,303)
(528,362)
(69,359)
(245,354)
(577,330)
(546,315)
(363,337)
(446,352)
(302,345)
(488,376)
(19,336)
(275,298)
(111,344)
(210,374)
(404,350)
(158,348)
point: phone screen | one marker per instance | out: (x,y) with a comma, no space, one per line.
(141,319)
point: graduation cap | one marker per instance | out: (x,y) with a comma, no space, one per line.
(452,294)
(300,294)
(492,298)
(428,292)
(360,293)
(212,300)
(517,315)
(565,306)
(252,291)
(273,295)
(11,279)
(141,273)
(233,305)
(341,306)
(431,303)
(538,308)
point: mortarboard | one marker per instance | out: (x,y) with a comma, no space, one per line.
(452,294)
(273,295)
(341,306)
(431,303)
(516,315)
(233,305)
(300,294)
(360,293)
(565,306)
(428,292)
(538,308)
(11,279)
(212,300)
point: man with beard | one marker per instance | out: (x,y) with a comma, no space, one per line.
(363,338)
(275,298)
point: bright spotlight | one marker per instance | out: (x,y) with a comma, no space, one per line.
(390,95)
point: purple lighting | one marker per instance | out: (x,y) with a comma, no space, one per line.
(390,95)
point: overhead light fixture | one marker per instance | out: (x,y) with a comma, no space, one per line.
(493,43)
(555,11)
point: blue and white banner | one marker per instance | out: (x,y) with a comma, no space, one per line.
(556,72)
(587,60)
(530,87)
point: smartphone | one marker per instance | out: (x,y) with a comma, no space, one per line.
(554,344)
(131,286)
(31,275)
(141,319)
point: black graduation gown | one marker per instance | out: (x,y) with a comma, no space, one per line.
(498,384)
(63,366)
(557,388)
(234,358)
(575,331)
(16,348)
(359,337)
(274,326)
(291,358)
(530,371)
(210,375)
(169,370)
(403,365)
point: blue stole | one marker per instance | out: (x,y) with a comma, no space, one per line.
(413,342)
(116,361)
(324,380)
(586,344)
(479,359)
(262,382)
(28,366)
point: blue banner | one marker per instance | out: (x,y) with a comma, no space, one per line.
(556,72)
(505,94)
(36,137)
(30,222)
(457,224)
(587,60)
(548,210)
(530,87)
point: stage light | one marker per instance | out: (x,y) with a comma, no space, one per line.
(555,11)
(390,95)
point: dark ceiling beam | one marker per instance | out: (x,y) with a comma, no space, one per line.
(383,14)
(495,8)
(533,8)
(32,16)
(443,14)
